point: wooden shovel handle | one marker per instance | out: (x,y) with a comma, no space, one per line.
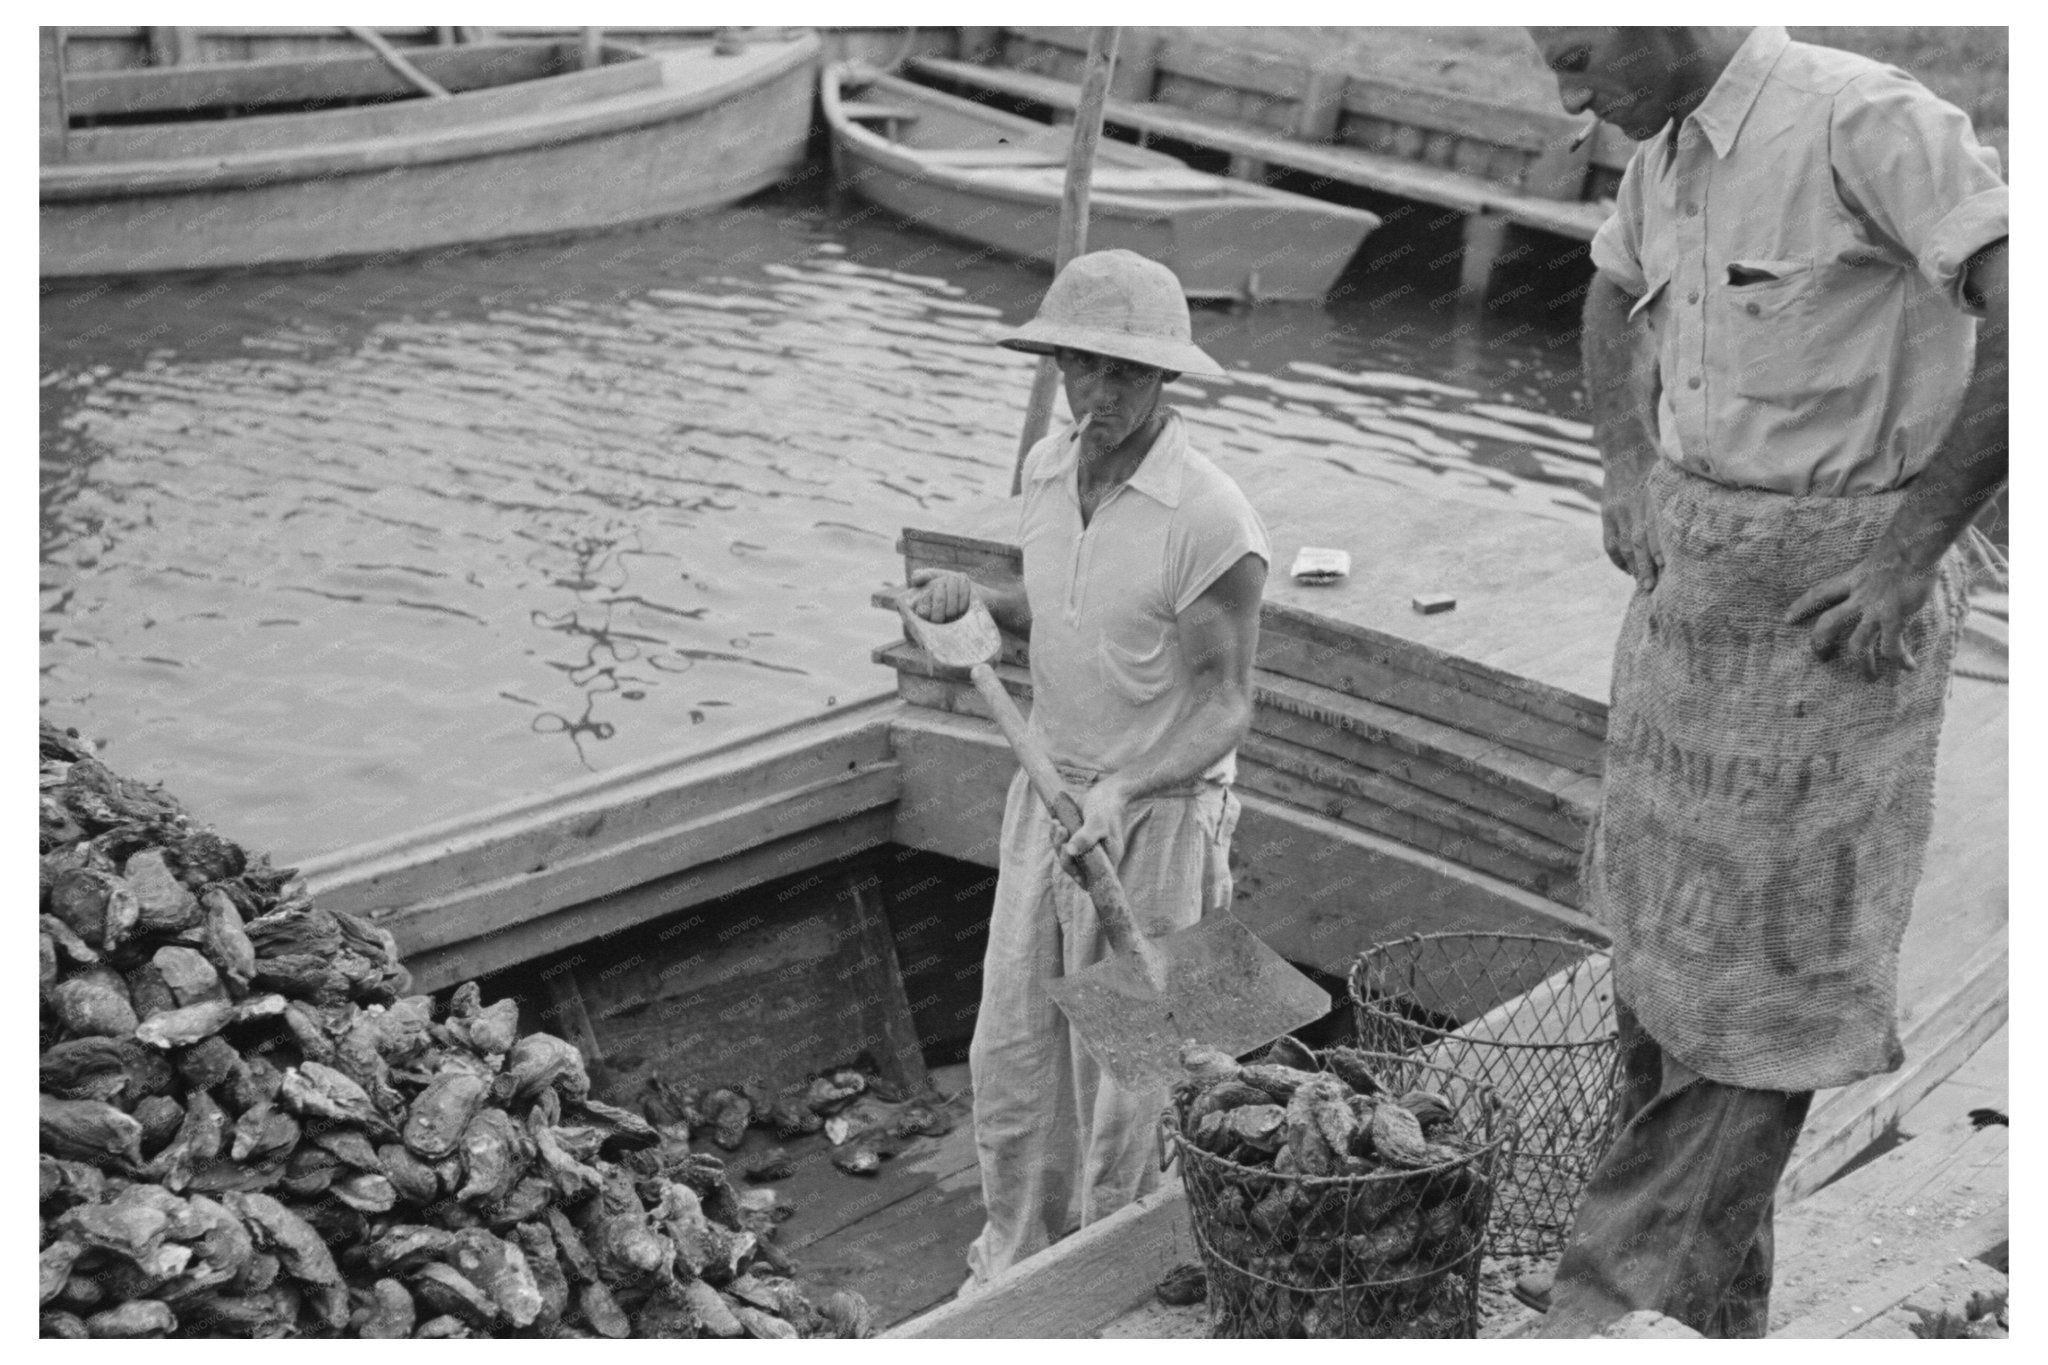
(1098,874)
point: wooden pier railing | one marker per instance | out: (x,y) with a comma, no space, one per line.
(1502,167)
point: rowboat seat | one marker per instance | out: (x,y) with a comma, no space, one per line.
(1117,179)
(878,112)
(969,158)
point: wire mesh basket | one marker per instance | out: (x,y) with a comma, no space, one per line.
(1393,1252)
(1533,1019)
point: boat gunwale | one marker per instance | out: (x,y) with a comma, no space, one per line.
(875,708)
(431,61)
(894,156)
(76,183)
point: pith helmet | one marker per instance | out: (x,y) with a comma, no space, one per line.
(1116,303)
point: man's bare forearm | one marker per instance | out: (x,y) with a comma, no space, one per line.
(1008,604)
(1215,727)
(1972,461)
(1621,385)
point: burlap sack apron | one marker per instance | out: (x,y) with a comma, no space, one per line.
(1764,814)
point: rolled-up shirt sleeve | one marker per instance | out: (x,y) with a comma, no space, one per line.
(1908,165)
(1617,246)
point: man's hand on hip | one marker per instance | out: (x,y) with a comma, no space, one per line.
(1866,609)
(1864,612)
(1628,529)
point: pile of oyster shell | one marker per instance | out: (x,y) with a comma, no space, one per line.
(1345,1203)
(864,1118)
(250,1128)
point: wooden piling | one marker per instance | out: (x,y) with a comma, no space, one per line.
(982,45)
(1322,105)
(55,121)
(1137,68)
(1485,236)
(173,46)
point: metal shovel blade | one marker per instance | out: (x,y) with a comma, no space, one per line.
(1221,986)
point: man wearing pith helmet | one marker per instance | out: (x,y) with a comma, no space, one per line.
(1143,570)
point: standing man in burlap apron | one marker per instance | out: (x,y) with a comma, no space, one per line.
(1143,570)
(1795,350)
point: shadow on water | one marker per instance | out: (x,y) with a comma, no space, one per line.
(340,552)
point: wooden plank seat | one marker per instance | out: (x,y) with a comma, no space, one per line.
(973,158)
(1349,165)
(1849,1253)
(878,113)
(1113,179)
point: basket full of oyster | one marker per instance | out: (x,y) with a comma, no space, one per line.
(1337,1194)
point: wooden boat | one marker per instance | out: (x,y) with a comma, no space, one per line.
(110,47)
(338,157)
(772,907)
(977,173)
(1509,174)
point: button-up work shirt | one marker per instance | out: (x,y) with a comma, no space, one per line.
(1108,679)
(1797,245)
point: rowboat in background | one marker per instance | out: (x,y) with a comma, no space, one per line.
(341,156)
(985,176)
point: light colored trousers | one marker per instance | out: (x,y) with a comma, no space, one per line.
(1060,1143)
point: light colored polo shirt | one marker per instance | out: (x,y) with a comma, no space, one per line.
(1107,677)
(1797,244)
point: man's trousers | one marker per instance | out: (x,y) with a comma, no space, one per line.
(1060,1143)
(1677,1216)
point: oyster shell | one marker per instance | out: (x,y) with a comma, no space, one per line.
(441,1114)
(388,1315)
(1397,1137)
(95,1001)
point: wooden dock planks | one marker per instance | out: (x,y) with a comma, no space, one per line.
(1851,1251)
(1451,186)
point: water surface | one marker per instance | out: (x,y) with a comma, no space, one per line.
(334,554)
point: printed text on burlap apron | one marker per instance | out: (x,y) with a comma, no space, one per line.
(1764,813)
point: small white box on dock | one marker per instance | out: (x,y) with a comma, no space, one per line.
(1312,565)
(1430,603)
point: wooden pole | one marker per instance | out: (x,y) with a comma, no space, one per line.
(172,46)
(593,48)
(55,119)
(1073,224)
(411,74)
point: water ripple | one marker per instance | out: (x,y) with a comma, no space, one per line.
(584,506)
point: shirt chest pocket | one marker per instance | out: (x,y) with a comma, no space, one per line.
(1769,341)
(1136,671)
